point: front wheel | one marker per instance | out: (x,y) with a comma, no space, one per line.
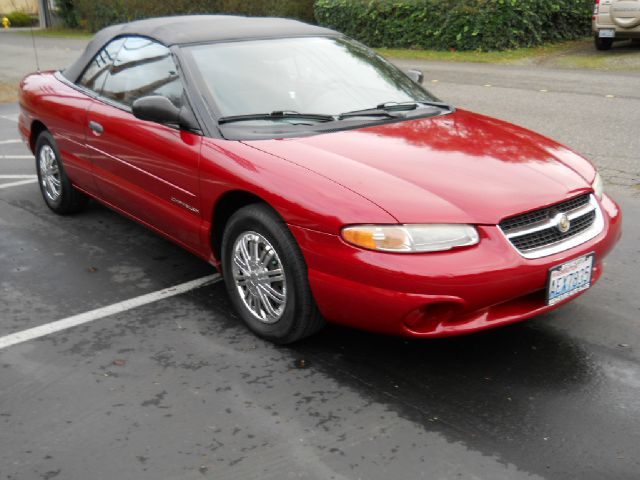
(603,43)
(56,188)
(266,276)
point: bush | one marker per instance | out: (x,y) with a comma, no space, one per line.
(67,12)
(21,19)
(457,24)
(96,15)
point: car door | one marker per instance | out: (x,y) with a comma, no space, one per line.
(71,110)
(145,169)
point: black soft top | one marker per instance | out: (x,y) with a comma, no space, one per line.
(191,29)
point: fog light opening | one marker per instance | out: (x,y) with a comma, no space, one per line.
(426,319)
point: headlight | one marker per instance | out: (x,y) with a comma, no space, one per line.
(598,186)
(411,238)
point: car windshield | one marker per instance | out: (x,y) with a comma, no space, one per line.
(319,75)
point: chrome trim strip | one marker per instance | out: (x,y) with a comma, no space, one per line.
(536,227)
(141,170)
(69,139)
(595,229)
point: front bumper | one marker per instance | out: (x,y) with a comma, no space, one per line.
(439,294)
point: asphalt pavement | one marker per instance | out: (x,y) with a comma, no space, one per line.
(178,389)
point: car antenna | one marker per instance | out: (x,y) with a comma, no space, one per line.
(35,50)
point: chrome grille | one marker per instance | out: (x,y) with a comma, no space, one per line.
(538,233)
(543,214)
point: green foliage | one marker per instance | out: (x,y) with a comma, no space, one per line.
(67,12)
(21,19)
(95,15)
(457,24)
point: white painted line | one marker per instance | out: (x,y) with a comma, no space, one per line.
(6,142)
(64,324)
(11,118)
(18,183)
(18,176)
(15,157)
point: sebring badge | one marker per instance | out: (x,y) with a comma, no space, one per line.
(563,224)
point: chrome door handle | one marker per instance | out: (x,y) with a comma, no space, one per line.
(96,127)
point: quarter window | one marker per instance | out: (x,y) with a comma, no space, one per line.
(142,68)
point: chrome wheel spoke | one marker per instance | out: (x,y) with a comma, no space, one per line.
(267,255)
(256,246)
(268,307)
(241,264)
(272,276)
(258,305)
(251,300)
(272,293)
(259,277)
(241,279)
(244,253)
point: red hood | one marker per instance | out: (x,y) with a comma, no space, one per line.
(461,167)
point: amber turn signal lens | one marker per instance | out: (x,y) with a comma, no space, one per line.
(377,238)
(410,238)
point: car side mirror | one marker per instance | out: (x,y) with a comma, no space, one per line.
(159,109)
(416,75)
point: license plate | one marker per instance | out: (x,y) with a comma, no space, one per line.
(607,33)
(569,279)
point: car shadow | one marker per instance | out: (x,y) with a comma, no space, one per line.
(624,46)
(530,354)
(464,381)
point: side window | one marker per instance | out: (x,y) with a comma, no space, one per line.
(95,73)
(143,67)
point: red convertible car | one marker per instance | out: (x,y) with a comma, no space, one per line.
(322,181)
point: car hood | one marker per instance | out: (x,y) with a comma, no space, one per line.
(457,168)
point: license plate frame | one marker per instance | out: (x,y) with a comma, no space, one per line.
(570,278)
(607,33)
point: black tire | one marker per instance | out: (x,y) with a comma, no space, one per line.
(300,316)
(70,200)
(603,43)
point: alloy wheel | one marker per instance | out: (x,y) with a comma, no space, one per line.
(49,173)
(259,277)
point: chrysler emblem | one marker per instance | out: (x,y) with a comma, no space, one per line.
(562,223)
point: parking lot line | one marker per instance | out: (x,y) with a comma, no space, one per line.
(18,183)
(90,316)
(6,142)
(15,157)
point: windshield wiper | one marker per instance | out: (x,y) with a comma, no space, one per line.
(368,112)
(412,105)
(277,115)
(385,109)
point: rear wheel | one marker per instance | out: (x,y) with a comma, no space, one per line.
(266,276)
(603,43)
(57,191)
